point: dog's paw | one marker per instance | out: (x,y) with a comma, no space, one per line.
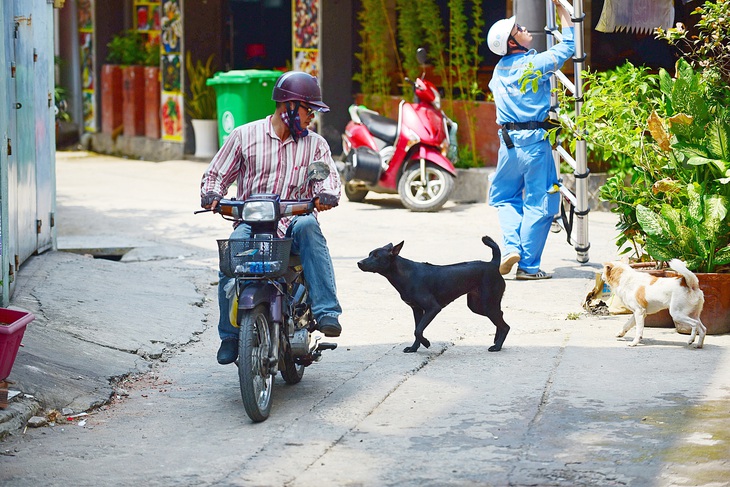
(634,343)
(410,349)
(621,334)
(425,343)
(494,348)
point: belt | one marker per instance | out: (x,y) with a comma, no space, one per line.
(531,125)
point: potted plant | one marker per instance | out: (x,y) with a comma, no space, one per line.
(111,87)
(130,52)
(200,106)
(676,205)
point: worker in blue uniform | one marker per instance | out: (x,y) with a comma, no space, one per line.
(523,186)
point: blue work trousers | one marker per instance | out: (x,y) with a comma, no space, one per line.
(520,190)
(309,243)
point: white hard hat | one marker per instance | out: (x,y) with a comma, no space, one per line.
(498,35)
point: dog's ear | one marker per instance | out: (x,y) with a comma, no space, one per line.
(396,249)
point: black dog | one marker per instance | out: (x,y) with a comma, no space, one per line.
(429,288)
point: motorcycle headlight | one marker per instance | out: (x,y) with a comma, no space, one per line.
(259,211)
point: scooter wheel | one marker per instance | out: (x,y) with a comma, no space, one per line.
(354,193)
(429,194)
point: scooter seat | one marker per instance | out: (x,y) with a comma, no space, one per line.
(381,127)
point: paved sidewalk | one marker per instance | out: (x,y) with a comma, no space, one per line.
(97,319)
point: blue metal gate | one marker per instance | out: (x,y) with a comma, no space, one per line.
(27,154)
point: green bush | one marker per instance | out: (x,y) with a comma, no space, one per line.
(676,205)
(129,48)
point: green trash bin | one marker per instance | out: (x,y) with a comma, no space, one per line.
(242,96)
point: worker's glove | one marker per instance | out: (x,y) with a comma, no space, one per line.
(208,198)
(326,199)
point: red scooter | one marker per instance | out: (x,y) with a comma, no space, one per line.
(410,156)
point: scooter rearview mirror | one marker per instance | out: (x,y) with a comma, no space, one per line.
(318,171)
(421,56)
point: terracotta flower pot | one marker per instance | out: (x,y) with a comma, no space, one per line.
(111,98)
(133,99)
(716,312)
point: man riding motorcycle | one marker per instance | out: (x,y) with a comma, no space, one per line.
(271,155)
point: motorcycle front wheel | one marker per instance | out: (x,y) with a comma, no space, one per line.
(425,194)
(254,372)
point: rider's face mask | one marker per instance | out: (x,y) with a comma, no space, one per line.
(291,118)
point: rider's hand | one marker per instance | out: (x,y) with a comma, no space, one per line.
(325,201)
(210,200)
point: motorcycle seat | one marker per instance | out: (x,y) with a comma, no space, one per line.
(381,127)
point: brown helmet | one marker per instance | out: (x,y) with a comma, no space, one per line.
(297,85)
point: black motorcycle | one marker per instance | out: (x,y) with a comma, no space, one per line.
(270,303)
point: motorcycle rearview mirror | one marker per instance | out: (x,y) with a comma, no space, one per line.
(421,56)
(318,171)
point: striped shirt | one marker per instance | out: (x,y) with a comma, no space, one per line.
(257,161)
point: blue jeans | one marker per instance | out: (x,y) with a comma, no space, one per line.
(520,191)
(309,243)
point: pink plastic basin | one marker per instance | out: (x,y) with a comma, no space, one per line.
(12,327)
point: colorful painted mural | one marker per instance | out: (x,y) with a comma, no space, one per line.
(171,28)
(305,36)
(86,56)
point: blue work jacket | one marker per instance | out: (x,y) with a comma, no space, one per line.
(514,106)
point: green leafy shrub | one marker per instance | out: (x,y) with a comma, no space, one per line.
(455,59)
(676,204)
(376,41)
(129,48)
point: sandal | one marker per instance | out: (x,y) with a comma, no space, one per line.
(524,276)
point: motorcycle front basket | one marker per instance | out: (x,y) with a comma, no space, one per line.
(254,257)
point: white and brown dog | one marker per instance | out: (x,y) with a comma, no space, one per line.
(645,294)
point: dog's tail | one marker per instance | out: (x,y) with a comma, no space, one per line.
(496,253)
(689,277)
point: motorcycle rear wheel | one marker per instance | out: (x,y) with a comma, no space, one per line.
(254,372)
(292,372)
(430,195)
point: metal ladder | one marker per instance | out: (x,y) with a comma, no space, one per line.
(577,234)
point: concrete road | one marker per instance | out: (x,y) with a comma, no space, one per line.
(565,403)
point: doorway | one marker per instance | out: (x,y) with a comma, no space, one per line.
(261,34)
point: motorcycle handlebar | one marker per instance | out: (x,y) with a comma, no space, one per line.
(233,208)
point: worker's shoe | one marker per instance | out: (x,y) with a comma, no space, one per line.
(508,262)
(525,276)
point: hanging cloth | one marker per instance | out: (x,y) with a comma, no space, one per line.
(637,16)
